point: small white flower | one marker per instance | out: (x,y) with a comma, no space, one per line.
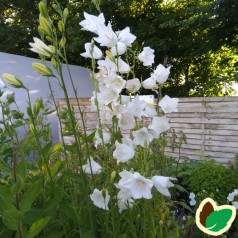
(159,125)
(133,85)
(137,107)
(118,49)
(150,111)
(231,197)
(125,193)
(116,82)
(142,137)
(235,204)
(126,176)
(192,195)
(192,199)
(98,139)
(99,200)
(40,47)
(123,152)
(126,37)
(125,204)
(107,95)
(128,141)
(147,56)
(109,65)
(123,67)
(106,36)
(135,185)
(126,121)
(150,83)
(140,187)
(96,168)
(96,52)
(91,22)
(168,104)
(162,183)
(161,74)
(192,202)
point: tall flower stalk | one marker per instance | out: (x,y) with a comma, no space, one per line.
(110,181)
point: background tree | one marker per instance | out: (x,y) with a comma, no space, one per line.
(198,38)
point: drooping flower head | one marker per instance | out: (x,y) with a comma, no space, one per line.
(91,22)
(147,56)
(100,199)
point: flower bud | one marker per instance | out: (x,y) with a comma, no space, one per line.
(36,108)
(29,111)
(57,9)
(45,25)
(61,26)
(65,13)
(110,55)
(43,9)
(54,63)
(17,115)
(104,193)
(113,176)
(42,69)
(32,129)
(13,81)
(62,42)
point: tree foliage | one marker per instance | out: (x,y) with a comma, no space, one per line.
(198,38)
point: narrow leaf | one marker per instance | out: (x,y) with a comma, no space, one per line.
(37,226)
(29,197)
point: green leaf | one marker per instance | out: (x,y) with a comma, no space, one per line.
(186,206)
(5,194)
(37,226)
(18,186)
(29,197)
(4,205)
(21,168)
(11,218)
(217,220)
(46,149)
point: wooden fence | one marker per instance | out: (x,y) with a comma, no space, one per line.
(209,124)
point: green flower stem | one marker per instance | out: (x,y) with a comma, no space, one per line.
(14,165)
(39,146)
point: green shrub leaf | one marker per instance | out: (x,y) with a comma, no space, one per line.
(37,226)
(29,197)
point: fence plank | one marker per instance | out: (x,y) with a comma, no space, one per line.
(210,126)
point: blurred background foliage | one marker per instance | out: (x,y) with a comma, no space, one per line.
(199,38)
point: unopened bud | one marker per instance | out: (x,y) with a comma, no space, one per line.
(61,26)
(110,55)
(32,129)
(62,42)
(43,9)
(36,108)
(104,193)
(42,69)
(65,14)
(45,25)
(12,80)
(113,176)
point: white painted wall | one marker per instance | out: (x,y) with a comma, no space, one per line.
(20,67)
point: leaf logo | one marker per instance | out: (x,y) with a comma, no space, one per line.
(212,219)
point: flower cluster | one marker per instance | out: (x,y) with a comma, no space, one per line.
(192,201)
(115,75)
(231,196)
